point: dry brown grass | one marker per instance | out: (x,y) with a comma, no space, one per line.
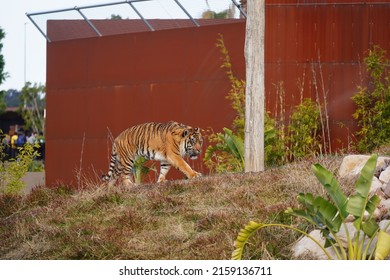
(194,219)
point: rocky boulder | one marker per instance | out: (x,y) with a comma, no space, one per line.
(353,164)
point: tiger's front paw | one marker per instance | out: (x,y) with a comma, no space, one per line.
(193,174)
(197,175)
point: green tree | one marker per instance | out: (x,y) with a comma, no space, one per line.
(228,13)
(3,74)
(3,106)
(12,98)
(32,106)
(113,16)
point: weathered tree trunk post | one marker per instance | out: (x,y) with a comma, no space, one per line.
(254,102)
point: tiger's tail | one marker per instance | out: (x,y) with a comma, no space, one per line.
(112,167)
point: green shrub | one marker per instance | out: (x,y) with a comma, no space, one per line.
(12,172)
(236,93)
(303,137)
(373,103)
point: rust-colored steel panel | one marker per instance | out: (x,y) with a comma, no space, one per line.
(76,29)
(98,86)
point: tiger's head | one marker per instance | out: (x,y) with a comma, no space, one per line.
(192,142)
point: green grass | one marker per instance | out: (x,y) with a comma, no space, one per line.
(189,219)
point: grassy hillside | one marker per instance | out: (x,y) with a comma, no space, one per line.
(189,219)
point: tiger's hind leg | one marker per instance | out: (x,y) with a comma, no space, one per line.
(164,168)
(126,181)
(127,173)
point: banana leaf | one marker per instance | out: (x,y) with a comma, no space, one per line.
(243,237)
(370,227)
(229,143)
(360,202)
(329,212)
(364,181)
(331,185)
(246,232)
(321,213)
(383,246)
(235,144)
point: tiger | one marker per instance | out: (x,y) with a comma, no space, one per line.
(168,143)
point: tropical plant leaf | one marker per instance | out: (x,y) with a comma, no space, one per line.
(355,205)
(360,202)
(329,212)
(331,185)
(242,238)
(364,181)
(269,134)
(235,144)
(370,227)
(301,214)
(252,227)
(307,200)
(320,213)
(210,151)
(382,246)
(372,204)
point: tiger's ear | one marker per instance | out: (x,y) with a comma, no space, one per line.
(196,129)
(185,133)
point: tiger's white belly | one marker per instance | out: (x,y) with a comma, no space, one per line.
(159,156)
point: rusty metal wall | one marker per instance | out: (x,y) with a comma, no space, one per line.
(97,86)
(317,50)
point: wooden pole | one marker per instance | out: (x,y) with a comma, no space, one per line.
(254,102)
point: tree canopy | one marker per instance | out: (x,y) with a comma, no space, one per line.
(2,73)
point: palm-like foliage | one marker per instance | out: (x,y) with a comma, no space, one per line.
(329,215)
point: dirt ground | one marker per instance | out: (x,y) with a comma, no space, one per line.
(33,179)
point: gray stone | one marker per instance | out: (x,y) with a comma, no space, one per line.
(385,175)
(353,164)
(307,248)
(375,185)
(386,189)
(383,224)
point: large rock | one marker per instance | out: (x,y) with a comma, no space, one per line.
(383,224)
(307,249)
(385,203)
(386,189)
(353,164)
(385,175)
(376,185)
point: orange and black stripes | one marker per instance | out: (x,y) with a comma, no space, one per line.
(166,142)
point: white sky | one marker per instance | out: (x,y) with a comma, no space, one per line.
(24,47)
